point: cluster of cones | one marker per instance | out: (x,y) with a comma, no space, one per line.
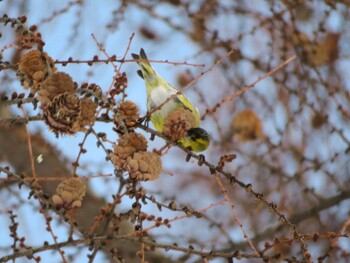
(63,110)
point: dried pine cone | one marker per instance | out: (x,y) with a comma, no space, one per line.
(62,113)
(120,84)
(317,53)
(86,116)
(128,144)
(56,84)
(178,122)
(134,140)
(127,113)
(247,126)
(70,192)
(144,166)
(34,67)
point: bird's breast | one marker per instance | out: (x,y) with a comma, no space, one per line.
(157,97)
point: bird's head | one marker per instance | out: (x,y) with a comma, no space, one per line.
(197,140)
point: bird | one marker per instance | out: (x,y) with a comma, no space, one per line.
(158,91)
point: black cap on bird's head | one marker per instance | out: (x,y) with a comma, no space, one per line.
(196,133)
(200,139)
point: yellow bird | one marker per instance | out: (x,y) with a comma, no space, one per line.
(158,91)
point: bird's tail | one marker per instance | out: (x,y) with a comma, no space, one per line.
(146,72)
(142,55)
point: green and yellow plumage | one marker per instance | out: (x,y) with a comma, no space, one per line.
(158,91)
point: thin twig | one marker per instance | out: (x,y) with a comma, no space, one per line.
(235,215)
(30,149)
(180,217)
(55,178)
(245,88)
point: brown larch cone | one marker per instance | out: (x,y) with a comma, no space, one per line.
(86,115)
(247,126)
(33,68)
(70,192)
(178,122)
(127,114)
(62,113)
(56,84)
(127,145)
(144,166)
